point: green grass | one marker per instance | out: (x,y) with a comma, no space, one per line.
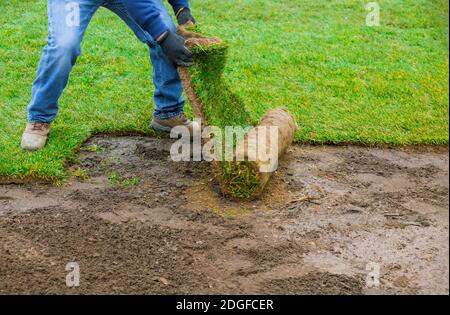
(344,81)
(116,180)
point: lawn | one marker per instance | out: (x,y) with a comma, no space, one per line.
(344,81)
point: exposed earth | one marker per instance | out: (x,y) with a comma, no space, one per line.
(138,223)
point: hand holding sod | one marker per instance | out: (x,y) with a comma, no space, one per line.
(175,50)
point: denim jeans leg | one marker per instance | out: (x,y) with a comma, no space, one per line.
(168,87)
(119,8)
(67,22)
(168,97)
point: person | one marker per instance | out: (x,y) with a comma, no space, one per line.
(151,22)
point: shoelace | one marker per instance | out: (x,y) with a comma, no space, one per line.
(38,126)
(184,119)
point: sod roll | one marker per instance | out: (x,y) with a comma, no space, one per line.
(255,158)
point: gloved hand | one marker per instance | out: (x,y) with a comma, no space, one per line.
(184,16)
(175,50)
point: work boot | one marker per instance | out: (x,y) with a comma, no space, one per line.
(166,125)
(35,136)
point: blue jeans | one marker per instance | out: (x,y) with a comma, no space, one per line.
(65,33)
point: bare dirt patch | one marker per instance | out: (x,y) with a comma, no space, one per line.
(136,222)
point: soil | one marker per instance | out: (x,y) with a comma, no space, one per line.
(138,223)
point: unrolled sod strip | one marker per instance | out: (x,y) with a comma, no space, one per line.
(248,173)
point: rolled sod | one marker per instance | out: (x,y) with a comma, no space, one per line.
(213,101)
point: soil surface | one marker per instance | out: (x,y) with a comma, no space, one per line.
(136,222)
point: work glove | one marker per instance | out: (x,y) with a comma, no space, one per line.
(175,50)
(184,16)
